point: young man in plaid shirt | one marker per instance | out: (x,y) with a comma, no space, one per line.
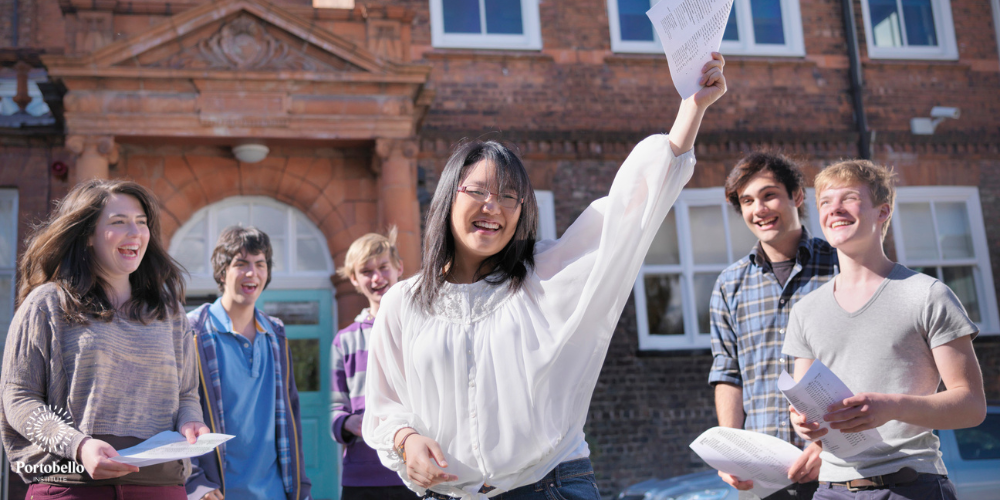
(751,303)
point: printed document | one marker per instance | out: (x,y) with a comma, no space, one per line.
(690,30)
(812,395)
(748,455)
(168,446)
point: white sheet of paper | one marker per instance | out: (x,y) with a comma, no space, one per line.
(818,389)
(690,30)
(748,455)
(168,446)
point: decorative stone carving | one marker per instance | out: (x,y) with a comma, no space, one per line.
(384,39)
(244,44)
(94,154)
(94,31)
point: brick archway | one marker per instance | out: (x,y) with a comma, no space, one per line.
(335,189)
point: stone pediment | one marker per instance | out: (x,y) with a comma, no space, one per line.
(234,35)
(242,69)
(242,42)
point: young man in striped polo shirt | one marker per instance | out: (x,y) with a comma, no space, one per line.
(373,266)
(751,303)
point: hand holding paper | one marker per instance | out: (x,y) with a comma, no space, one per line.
(168,446)
(811,396)
(690,31)
(748,455)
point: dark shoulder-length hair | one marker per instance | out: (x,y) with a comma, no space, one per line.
(511,264)
(58,252)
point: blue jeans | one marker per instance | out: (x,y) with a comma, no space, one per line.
(573,480)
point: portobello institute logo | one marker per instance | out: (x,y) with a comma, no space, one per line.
(48,427)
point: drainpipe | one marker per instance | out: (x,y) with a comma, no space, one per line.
(857,84)
(13,24)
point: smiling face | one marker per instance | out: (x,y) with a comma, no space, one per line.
(374,277)
(481,230)
(120,238)
(244,280)
(851,222)
(770,213)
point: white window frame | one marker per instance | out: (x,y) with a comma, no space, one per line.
(546,215)
(692,338)
(531,39)
(10,268)
(947,48)
(204,283)
(983,272)
(791,18)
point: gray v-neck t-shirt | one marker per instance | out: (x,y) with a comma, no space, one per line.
(883,347)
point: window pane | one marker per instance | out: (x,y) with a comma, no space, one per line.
(982,442)
(294,313)
(885,23)
(708,235)
(504,17)
(461,16)
(305,363)
(703,285)
(6,301)
(739,234)
(664,248)
(271,220)
(918,232)
(663,304)
(767,26)
(192,254)
(963,283)
(633,21)
(8,233)
(278,255)
(732,32)
(953,230)
(919,18)
(236,215)
(309,255)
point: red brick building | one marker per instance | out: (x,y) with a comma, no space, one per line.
(360,102)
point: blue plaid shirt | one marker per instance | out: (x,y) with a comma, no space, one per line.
(749,311)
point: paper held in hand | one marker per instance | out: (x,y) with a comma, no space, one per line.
(690,30)
(168,446)
(748,455)
(812,395)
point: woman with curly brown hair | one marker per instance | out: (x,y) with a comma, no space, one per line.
(98,356)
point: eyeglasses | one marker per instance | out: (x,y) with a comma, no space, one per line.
(481,195)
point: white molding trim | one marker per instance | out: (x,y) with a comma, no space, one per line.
(531,39)
(791,18)
(946,50)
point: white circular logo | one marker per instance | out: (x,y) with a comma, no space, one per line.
(48,427)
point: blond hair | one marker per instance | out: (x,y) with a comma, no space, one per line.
(881,182)
(368,247)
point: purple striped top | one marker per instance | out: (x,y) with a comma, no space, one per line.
(349,357)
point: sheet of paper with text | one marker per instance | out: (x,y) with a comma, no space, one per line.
(748,455)
(818,389)
(690,30)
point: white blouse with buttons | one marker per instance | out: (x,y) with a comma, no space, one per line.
(502,381)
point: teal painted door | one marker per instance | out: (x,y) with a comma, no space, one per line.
(308,318)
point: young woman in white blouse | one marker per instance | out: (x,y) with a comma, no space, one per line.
(481,367)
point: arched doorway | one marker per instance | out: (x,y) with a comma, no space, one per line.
(300,294)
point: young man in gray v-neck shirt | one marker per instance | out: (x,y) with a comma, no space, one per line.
(892,335)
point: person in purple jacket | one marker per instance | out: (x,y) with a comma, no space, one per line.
(373,266)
